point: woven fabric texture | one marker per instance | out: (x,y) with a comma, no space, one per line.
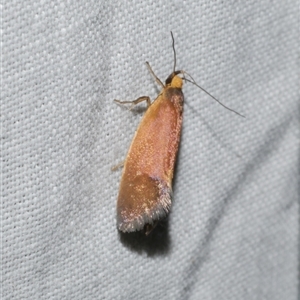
(233,232)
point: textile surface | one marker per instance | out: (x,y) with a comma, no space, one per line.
(233,231)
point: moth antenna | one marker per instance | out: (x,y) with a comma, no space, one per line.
(209,94)
(173,46)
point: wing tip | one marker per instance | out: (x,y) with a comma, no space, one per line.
(131,221)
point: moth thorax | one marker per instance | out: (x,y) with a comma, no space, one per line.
(176,82)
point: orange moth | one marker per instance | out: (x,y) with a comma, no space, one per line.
(145,193)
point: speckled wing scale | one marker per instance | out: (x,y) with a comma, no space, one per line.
(145,193)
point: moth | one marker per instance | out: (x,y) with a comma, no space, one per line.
(145,193)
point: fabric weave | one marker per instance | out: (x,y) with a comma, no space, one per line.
(233,230)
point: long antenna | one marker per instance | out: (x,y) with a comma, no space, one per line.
(173,46)
(209,94)
(194,82)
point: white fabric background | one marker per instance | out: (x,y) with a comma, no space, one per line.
(234,227)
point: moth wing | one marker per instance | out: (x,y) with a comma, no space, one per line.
(146,184)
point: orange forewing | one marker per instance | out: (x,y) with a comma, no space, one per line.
(146,184)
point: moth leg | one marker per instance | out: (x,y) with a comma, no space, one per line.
(149,228)
(135,102)
(155,77)
(119,165)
